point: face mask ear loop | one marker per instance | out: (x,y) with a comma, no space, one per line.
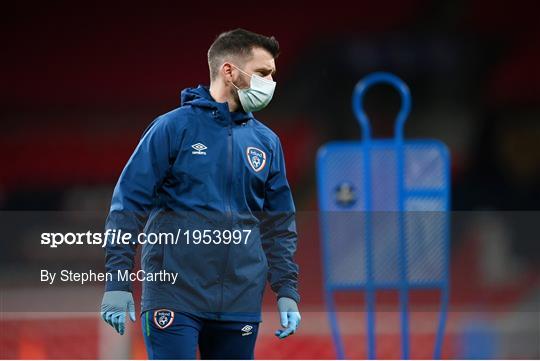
(243,72)
(237,88)
(253,75)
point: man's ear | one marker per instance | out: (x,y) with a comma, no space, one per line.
(226,71)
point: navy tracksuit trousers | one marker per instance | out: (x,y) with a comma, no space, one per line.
(176,335)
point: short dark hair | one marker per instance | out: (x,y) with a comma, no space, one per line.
(238,42)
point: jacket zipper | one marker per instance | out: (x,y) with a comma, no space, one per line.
(229,207)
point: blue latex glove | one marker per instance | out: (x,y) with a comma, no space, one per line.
(289,317)
(114,306)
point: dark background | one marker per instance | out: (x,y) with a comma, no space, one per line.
(82,80)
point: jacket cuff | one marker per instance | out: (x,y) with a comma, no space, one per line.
(117,285)
(289,292)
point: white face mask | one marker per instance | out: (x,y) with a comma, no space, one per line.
(259,93)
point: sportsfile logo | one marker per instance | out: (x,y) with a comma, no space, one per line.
(199,149)
(246,330)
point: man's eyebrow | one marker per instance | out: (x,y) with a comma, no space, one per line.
(272,70)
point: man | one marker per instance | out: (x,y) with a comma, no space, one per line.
(213,176)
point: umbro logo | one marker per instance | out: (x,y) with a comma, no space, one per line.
(199,149)
(246,330)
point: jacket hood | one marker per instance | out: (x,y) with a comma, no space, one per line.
(200,97)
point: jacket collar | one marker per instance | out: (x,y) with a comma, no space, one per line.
(200,97)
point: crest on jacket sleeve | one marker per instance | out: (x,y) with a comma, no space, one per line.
(256,158)
(163,318)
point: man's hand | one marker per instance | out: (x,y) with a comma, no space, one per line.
(289,316)
(114,306)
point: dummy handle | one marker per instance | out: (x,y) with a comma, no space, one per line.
(358,98)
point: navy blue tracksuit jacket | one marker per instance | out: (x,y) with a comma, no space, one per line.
(202,167)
